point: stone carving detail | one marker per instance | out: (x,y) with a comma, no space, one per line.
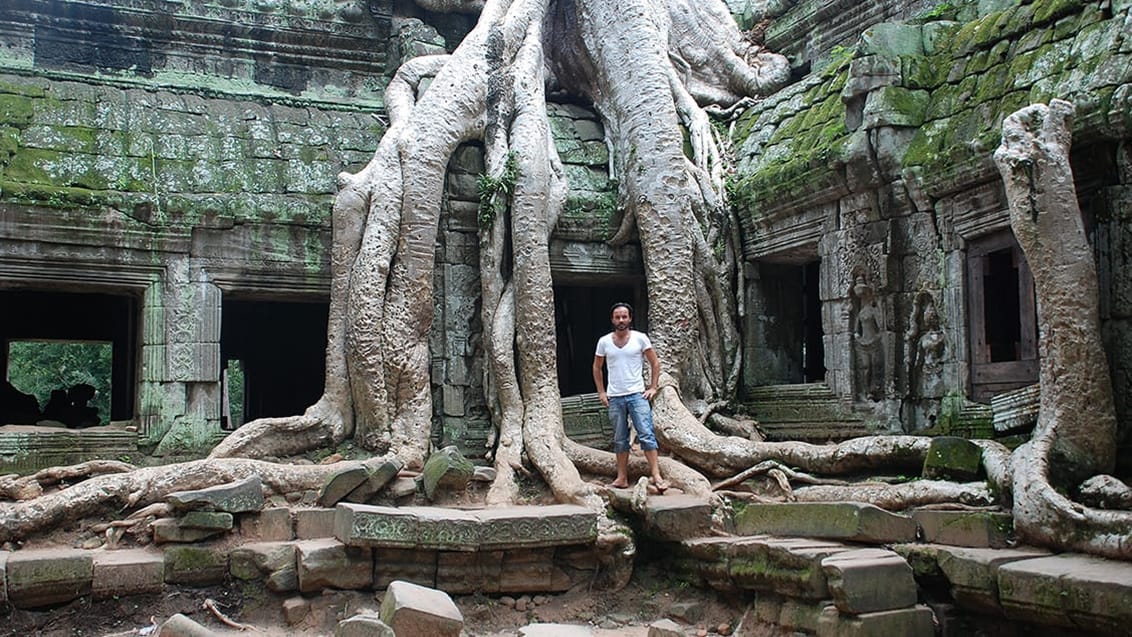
(926,347)
(866,320)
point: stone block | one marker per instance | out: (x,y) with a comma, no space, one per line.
(331,564)
(869,580)
(447,468)
(364,625)
(4,579)
(236,497)
(167,530)
(207,520)
(529,527)
(665,628)
(378,474)
(832,520)
(295,610)
(973,574)
(529,571)
(411,565)
(195,565)
(271,525)
(127,572)
(906,622)
(410,609)
(447,529)
(976,529)
(677,517)
(311,524)
(800,616)
(1088,593)
(363,525)
(274,562)
(786,566)
(181,626)
(339,485)
(952,458)
(556,630)
(44,577)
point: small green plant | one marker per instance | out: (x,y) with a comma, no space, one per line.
(941,11)
(495,192)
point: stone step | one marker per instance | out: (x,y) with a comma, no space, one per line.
(830,520)
(1016,410)
(668,518)
(25,449)
(809,412)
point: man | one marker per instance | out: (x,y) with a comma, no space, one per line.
(624,352)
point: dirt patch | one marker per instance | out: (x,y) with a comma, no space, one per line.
(650,596)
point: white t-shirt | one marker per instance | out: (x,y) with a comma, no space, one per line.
(626,364)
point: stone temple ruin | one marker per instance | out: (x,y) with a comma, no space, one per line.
(165,187)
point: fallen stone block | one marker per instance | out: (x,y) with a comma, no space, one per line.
(273,562)
(869,580)
(269,525)
(446,469)
(170,531)
(1073,591)
(665,628)
(295,610)
(331,564)
(235,497)
(973,574)
(853,521)
(410,609)
(952,458)
(207,520)
(976,529)
(44,577)
(677,517)
(339,485)
(195,565)
(905,622)
(127,572)
(312,524)
(379,472)
(181,626)
(365,625)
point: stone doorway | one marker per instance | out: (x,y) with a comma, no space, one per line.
(278,350)
(581,315)
(1001,317)
(70,317)
(791,327)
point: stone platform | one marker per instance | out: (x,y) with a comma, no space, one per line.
(25,449)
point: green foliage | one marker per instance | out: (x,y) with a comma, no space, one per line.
(38,367)
(495,192)
(941,11)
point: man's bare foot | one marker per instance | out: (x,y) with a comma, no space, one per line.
(660,485)
(618,485)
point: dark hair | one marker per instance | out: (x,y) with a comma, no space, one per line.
(621,304)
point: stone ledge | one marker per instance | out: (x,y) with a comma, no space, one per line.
(830,520)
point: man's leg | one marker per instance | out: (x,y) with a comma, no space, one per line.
(619,419)
(622,480)
(641,413)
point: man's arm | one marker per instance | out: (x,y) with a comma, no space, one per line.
(599,382)
(654,373)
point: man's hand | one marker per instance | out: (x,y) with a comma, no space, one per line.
(649,393)
(603,398)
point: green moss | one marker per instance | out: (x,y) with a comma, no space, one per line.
(16,110)
(1048,10)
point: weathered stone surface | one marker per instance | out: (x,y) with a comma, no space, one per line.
(207,520)
(364,525)
(1075,591)
(43,577)
(446,469)
(528,527)
(786,566)
(379,472)
(127,572)
(364,625)
(339,485)
(312,524)
(415,610)
(906,622)
(411,565)
(447,529)
(331,564)
(556,630)
(181,626)
(195,565)
(275,562)
(235,497)
(295,610)
(973,573)
(671,518)
(167,530)
(869,580)
(833,520)
(665,628)
(4,579)
(952,458)
(269,525)
(976,529)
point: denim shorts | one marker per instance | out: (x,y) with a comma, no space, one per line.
(635,407)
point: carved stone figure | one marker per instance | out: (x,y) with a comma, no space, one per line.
(926,346)
(867,321)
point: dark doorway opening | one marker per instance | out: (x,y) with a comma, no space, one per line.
(1001,317)
(581,314)
(274,357)
(793,326)
(89,321)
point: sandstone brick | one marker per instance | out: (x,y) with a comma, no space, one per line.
(195,565)
(831,520)
(43,577)
(786,566)
(973,574)
(331,564)
(411,565)
(677,517)
(127,572)
(363,625)
(269,525)
(235,497)
(906,622)
(665,628)
(363,525)
(169,530)
(295,610)
(207,520)
(977,529)
(1073,591)
(410,609)
(274,562)
(312,524)
(869,580)
(530,527)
